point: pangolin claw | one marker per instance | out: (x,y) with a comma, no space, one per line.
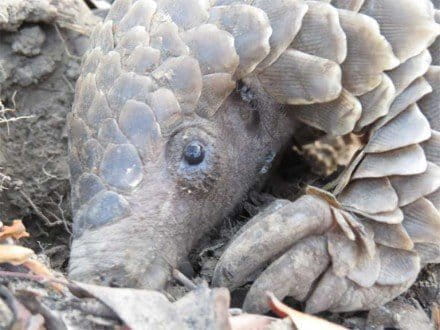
(313,258)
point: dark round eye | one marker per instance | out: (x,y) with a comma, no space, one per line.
(194,153)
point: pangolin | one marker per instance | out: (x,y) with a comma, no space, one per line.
(181,102)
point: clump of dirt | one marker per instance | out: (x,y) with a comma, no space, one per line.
(41,43)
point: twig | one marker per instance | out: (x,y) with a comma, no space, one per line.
(60,35)
(4,110)
(46,172)
(187,283)
(46,220)
(31,277)
(60,209)
(72,89)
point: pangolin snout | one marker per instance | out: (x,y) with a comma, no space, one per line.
(140,249)
(134,237)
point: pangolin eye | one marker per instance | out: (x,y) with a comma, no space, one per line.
(194,153)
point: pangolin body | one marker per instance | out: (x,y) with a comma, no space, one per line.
(163,143)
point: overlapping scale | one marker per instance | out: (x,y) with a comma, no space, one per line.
(321,34)
(109,69)
(408,71)
(434,198)
(88,186)
(166,39)
(166,109)
(139,124)
(391,235)
(411,188)
(432,147)
(336,118)
(181,75)
(143,59)
(299,78)
(109,132)
(409,127)
(285,18)
(407,25)
(368,53)
(381,196)
(213,48)
(422,221)
(376,103)
(99,110)
(139,15)
(430,103)
(85,94)
(186,14)
(105,38)
(344,226)
(328,291)
(91,61)
(251,30)
(91,154)
(410,95)
(395,146)
(397,266)
(404,161)
(392,217)
(136,36)
(129,86)
(118,10)
(366,272)
(429,253)
(121,166)
(343,252)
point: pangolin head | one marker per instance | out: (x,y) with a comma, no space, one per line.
(169,130)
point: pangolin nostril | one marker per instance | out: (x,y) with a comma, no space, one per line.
(194,153)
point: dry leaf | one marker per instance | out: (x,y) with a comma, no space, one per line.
(14,254)
(202,308)
(23,319)
(301,320)
(19,255)
(250,321)
(16,231)
(138,309)
(39,269)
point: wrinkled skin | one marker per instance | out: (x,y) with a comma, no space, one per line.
(177,203)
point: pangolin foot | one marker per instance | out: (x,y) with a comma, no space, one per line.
(317,253)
